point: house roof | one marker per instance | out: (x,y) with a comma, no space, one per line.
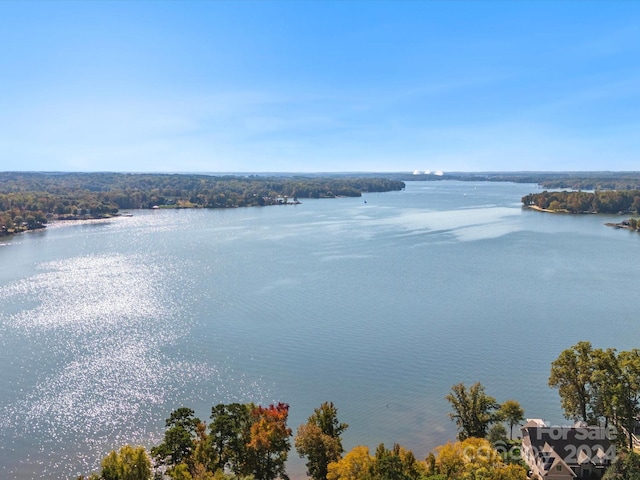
(573,445)
(534,422)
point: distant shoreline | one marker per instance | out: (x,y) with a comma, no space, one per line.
(621,225)
(625,225)
(561,210)
(29,200)
(540,209)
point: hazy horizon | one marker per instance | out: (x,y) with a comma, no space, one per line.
(336,172)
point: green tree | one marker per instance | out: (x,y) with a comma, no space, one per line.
(627,400)
(180,472)
(497,433)
(625,467)
(555,205)
(473,410)
(604,383)
(396,464)
(319,440)
(512,413)
(230,434)
(572,375)
(179,438)
(387,465)
(129,463)
(599,385)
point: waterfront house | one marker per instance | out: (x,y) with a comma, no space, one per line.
(565,453)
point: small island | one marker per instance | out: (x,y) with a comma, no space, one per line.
(632,224)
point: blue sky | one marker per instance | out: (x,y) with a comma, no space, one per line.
(319,86)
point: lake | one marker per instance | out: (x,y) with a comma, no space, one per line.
(379,304)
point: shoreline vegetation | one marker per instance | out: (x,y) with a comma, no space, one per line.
(252,442)
(30,200)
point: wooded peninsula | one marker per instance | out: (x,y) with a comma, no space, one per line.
(28,200)
(607,201)
(576,202)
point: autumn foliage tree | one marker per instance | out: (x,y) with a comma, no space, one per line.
(396,463)
(355,465)
(269,445)
(319,440)
(129,463)
(471,459)
(242,440)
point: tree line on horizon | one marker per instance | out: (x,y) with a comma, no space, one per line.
(548,180)
(28,200)
(587,181)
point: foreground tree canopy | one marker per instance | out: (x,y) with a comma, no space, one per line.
(319,440)
(395,464)
(473,410)
(28,200)
(471,459)
(252,442)
(512,413)
(625,467)
(245,439)
(599,386)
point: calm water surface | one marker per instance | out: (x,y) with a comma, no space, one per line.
(380,307)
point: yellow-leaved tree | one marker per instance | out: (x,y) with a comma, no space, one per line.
(355,465)
(474,459)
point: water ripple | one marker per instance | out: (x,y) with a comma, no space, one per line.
(97,326)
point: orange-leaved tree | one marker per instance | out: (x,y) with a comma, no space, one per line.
(269,445)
